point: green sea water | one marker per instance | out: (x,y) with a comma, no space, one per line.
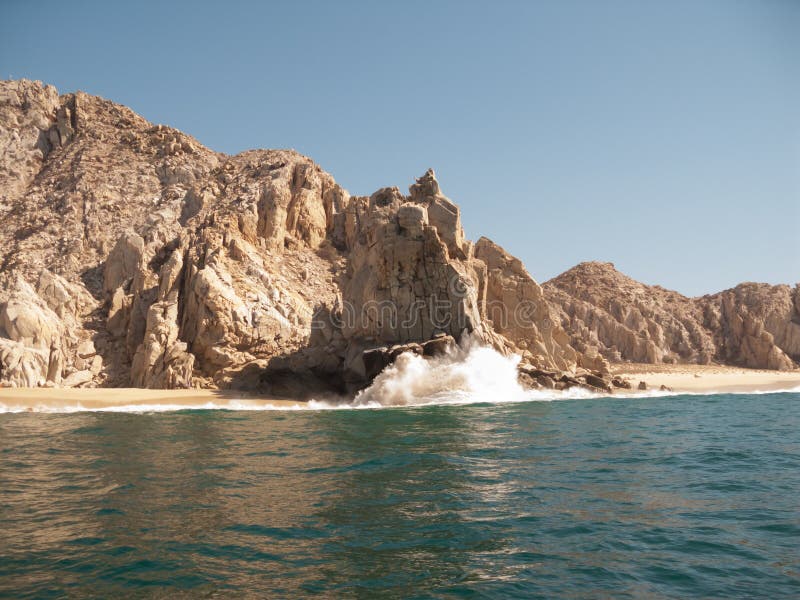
(684,496)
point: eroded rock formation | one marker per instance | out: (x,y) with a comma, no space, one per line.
(133,255)
(180,266)
(752,325)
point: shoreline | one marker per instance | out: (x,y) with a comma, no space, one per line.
(44,399)
(691,379)
(705,378)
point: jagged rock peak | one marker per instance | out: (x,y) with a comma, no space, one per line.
(426,186)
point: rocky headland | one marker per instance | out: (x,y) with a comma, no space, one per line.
(133,256)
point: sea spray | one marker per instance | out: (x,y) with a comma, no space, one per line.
(473,373)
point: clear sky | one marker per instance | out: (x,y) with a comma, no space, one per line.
(661,136)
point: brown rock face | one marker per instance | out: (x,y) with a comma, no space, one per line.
(132,255)
(516,308)
(163,264)
(40,328)
(752,325)
(755,325)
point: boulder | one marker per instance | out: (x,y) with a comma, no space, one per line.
(375,360)
(596,381)
(528,382)
(619,382)
(77,379)
(439,345)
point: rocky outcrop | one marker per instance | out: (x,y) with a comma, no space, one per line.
(28,113)
(78,172)
(132,255)
(755,325)
(515,306)
(40,339)
(161,359)
(604,311)
(401,283)
(412,276)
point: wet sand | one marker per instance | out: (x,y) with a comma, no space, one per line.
(44,399)
(707,378)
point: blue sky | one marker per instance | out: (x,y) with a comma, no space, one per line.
(661,136)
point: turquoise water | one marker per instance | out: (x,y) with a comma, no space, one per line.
(660,497)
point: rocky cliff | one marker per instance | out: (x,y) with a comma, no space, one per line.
(752,325)
(134,256)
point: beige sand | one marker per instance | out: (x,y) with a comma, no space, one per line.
(681,378)
(707,378)
(35,399)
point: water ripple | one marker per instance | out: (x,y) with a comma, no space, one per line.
(664,497)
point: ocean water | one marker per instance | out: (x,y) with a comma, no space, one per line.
(680,496)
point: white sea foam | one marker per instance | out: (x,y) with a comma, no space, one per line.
(473,374)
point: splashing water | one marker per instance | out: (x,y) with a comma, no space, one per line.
(470,374)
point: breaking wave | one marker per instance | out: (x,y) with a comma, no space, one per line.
(473,374)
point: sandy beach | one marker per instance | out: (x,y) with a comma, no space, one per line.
(680,378)
(44,399)
(707,378)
